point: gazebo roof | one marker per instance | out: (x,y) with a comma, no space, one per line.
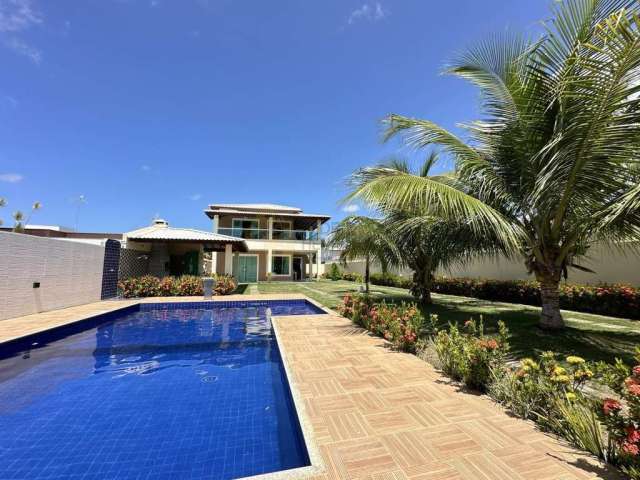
(160,231)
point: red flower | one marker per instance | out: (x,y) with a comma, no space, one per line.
(634,389)
(490,344)
(633,435)
(636,370)
(609,405)
(630,448)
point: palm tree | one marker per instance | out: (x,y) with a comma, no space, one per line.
(553,165)
(426,243)
(362,237)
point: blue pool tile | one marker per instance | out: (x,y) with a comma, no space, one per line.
(169,391)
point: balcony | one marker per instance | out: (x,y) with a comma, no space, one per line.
(263,234)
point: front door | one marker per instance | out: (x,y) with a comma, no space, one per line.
(247,271)
(297,268)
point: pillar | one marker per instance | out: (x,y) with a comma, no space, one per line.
(318,262)
(228,259)
(270,237)
(269,258)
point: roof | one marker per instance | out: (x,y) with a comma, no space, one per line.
(161,231)
(255,206)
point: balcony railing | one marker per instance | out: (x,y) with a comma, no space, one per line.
(263,234)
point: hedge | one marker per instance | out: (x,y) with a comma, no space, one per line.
(186,285)
(615,300)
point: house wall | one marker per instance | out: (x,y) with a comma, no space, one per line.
(70,273)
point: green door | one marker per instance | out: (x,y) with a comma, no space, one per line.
(247,269)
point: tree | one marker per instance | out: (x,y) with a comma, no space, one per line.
(364,238)
(426,243)
(19,219)
(553,166)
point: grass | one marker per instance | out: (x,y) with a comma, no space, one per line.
(593,337)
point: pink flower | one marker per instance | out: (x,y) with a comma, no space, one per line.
(609,406)
(634,389)
(636,370)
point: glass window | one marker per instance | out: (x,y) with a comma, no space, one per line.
(281,230)
(281,265)
(246,228)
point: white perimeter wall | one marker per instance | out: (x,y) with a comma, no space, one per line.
(70,273)
(611,266)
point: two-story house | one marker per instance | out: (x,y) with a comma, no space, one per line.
(284,243)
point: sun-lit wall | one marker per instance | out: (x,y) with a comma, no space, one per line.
(69,273)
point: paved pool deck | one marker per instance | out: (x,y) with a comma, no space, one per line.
(371,413)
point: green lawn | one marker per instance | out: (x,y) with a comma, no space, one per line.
(591,336)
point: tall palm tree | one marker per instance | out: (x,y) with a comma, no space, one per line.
(553,165)
(366,238)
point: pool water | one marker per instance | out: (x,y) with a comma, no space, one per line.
(186,391)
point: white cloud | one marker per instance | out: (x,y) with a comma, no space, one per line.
(145,168)
(351,208)
(11,177)
(18,15)
(195,197)
(22,48)
(371,12)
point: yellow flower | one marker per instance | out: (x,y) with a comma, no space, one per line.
(559,371)
(575,360)
(529,364)
(572,397)
(583,374)
(560,379)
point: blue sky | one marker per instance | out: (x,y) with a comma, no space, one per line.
(152,107)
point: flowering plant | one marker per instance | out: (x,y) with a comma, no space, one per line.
(621,415)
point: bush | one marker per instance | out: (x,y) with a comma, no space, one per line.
(352,277)
(186,285)
(615,300)
(399,324)
(471,356)
(621,415)
(390,280)
(334,272)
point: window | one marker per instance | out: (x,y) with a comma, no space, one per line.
(282,230)
(246,228)
(281,265)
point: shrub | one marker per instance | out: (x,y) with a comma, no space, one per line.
(471,356)
(621,415)
(334,272)
(615,300)
(399,324)
(352,277)
(390,280)
(225,285)
(186,285)
(145,286)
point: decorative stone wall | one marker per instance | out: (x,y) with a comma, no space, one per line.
(39,274)
(133,263)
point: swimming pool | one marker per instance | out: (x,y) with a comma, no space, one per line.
(153,391)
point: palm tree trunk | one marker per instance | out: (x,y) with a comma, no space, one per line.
(366,274)
(551,318)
